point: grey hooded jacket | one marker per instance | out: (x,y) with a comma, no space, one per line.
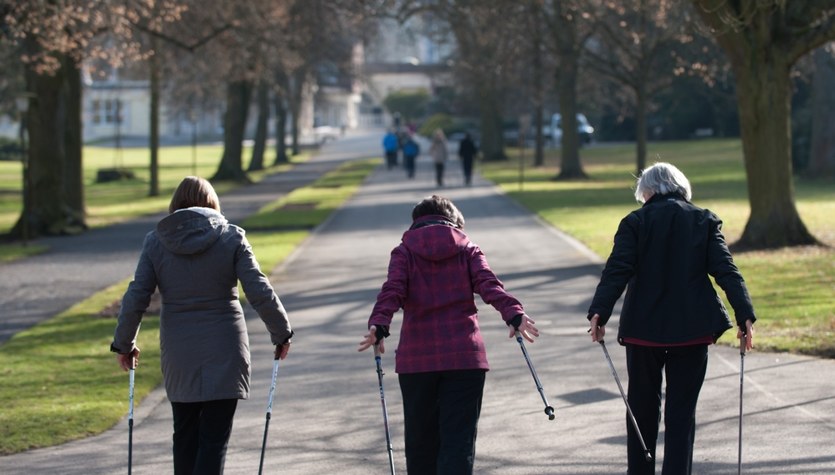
(196,258)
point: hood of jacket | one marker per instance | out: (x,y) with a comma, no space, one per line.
(191,230)
(435,238)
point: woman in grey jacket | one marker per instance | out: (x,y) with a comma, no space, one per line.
(196,258)
(666,252)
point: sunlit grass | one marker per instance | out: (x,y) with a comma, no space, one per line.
(792,288)
(60,382)
(123,200)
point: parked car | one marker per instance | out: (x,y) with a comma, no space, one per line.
(584,130)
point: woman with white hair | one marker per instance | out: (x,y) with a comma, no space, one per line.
(664,255)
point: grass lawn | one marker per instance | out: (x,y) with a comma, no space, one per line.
(116,201)
(61,383)
(792,288)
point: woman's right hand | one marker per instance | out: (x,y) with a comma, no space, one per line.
(370,339)
(749,335)
(597,331)
(128,361)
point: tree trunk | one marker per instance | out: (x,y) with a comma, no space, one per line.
(238,95)
(153,66)
(570,166)
(49,211)
(822,159)
(280,128)
(763,87)
(73,143)
(640,128)
(260,143)
(492,140)
(296,96)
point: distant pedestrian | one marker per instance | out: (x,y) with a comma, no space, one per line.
(391,144)
(196,258)
(439,153)
(441,359)
(467,150)
(664,255)
(411,150)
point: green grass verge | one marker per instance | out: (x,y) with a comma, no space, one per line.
(117,201)
(61,383)
(791,288)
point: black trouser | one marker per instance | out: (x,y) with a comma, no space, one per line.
(409,163)
(441,412)
(391,159)
(467,165)
(684,368)
(201,435)
(439,173)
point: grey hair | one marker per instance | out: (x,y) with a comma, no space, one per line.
(662,178)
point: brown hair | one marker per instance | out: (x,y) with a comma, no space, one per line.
(194,191)
(439,206)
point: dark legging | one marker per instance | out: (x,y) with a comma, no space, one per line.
(441,411)
(684,368)
(201,435)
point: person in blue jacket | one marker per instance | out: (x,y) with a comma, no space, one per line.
(390,146)
(664,255)
(411,150)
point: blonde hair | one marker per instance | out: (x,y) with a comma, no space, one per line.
(194,191)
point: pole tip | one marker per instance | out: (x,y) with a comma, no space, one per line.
(648,456)
(550,411)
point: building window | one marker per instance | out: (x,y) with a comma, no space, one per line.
(96,111)
(108,111)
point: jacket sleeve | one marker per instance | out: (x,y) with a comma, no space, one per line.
(394,291)
(260,294)
(135,301)
(490,288)
(720,265)
(620,267)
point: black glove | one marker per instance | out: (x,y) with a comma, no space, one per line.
(382,332)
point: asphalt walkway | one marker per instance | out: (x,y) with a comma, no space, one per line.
(327,416)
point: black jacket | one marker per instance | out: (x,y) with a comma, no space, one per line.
(665,252)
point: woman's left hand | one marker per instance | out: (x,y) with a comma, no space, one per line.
(527,329)
(282,350)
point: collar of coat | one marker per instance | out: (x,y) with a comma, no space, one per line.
(666,197)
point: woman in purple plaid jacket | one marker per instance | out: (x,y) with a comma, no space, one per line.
(441,360)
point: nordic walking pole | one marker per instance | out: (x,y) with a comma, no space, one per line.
(742,342)
(269,414)
(130,413)
(647,454)
(379,361)
(549,410)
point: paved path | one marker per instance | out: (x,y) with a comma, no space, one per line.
(327,417)
(76,267)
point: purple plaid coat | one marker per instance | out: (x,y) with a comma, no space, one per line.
(433,275)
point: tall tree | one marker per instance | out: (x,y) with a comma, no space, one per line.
(259,146)
(569,26)
(763,39)
(53,38)
(638,46)
(822,159)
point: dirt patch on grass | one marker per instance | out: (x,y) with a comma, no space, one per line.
(112,310)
